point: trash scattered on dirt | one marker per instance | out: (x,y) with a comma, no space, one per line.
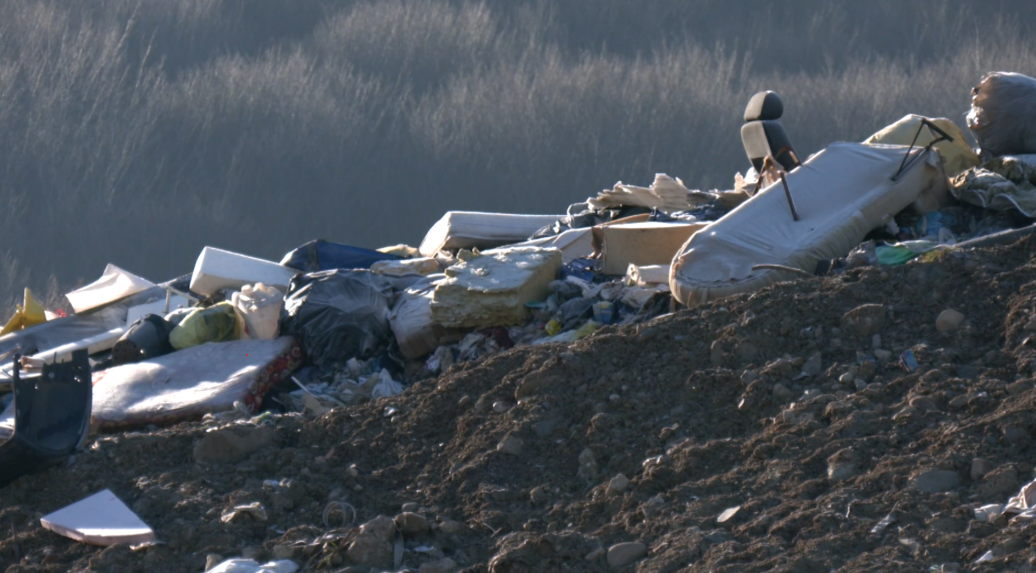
(789,375)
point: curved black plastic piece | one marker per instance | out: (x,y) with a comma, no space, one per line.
(51,417)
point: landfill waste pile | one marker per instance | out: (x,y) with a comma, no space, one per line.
(830,367)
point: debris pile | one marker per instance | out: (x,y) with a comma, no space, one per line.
(501,325)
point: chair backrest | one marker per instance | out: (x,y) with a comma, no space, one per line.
(763,135)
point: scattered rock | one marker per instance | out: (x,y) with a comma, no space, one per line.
(511,445)
(865,320)
(813,365)
(587,465)
(535,382)
(948,321)
(935,481)
(367,549)
(444,565)
(409,506)
(623,554)
(411,524)
(979,468)
(618,484)
(212,559)
(381,527)
(998,484)
(231,445)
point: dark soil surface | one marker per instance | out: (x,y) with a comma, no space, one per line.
(510,464)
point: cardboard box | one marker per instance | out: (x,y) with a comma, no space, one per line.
(618,245)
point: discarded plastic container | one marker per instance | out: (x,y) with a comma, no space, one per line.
(217,269)
(50,420)
(260,307)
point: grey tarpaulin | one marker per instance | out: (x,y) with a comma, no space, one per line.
(337,315)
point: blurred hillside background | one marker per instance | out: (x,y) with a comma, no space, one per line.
(138,131)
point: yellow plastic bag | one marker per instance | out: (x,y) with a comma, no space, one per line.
(29,313)
(217,323)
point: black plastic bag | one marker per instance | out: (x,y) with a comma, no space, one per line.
(146,338)
(1003,114)
(338,314)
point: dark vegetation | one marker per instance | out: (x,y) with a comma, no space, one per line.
(138,131)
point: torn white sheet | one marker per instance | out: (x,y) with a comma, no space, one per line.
(113,285)
(101,519)
(573,244)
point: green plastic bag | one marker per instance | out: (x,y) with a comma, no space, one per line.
(217,323)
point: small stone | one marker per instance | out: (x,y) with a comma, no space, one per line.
(999,483)
(959,402)
(1020,387)
(231,445)
(371,551)
(511,445)
(980,467)
(948,321)
(841,471)
(539,495)
(618,484)
(868,369)
(813,365)
(409,506)
(846,378)
(781,392)
(882,354)
(212,559)
(595,554)
(444,565)
(500,407)
(865,320)
(535,382)
(861,384)
(381,527)
(283,552)
(352,471)
(876,341)
(935,481)
(411,524)
(622,554)
(464,401)
(747,352)
(587,465)
(451,527)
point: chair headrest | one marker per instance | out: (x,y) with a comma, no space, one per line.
(764,106)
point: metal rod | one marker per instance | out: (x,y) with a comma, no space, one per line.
(791,202)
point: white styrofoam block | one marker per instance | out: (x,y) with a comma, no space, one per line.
(218,269)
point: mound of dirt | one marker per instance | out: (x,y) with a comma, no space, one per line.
(778,431)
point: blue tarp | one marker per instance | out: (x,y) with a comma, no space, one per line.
(320,255)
